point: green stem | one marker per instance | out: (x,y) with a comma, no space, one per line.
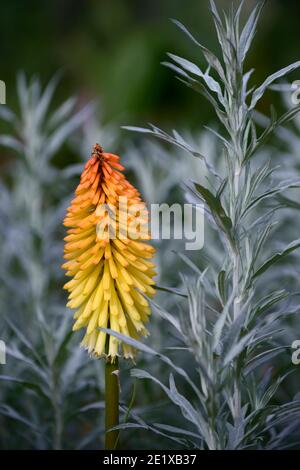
(111,403)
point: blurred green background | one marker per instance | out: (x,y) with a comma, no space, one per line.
(112,50)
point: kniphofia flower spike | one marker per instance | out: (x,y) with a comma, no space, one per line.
(107,257)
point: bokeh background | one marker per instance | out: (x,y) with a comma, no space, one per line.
(112,51)
(108,53)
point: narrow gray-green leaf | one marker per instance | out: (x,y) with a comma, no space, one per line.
(259,92)
(277,257)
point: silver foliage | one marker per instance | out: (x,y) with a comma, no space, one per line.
(235,319)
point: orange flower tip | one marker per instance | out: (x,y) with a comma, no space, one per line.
(117,166)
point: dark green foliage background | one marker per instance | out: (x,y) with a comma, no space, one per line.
(112,49)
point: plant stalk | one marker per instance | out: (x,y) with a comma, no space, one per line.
(111,403)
